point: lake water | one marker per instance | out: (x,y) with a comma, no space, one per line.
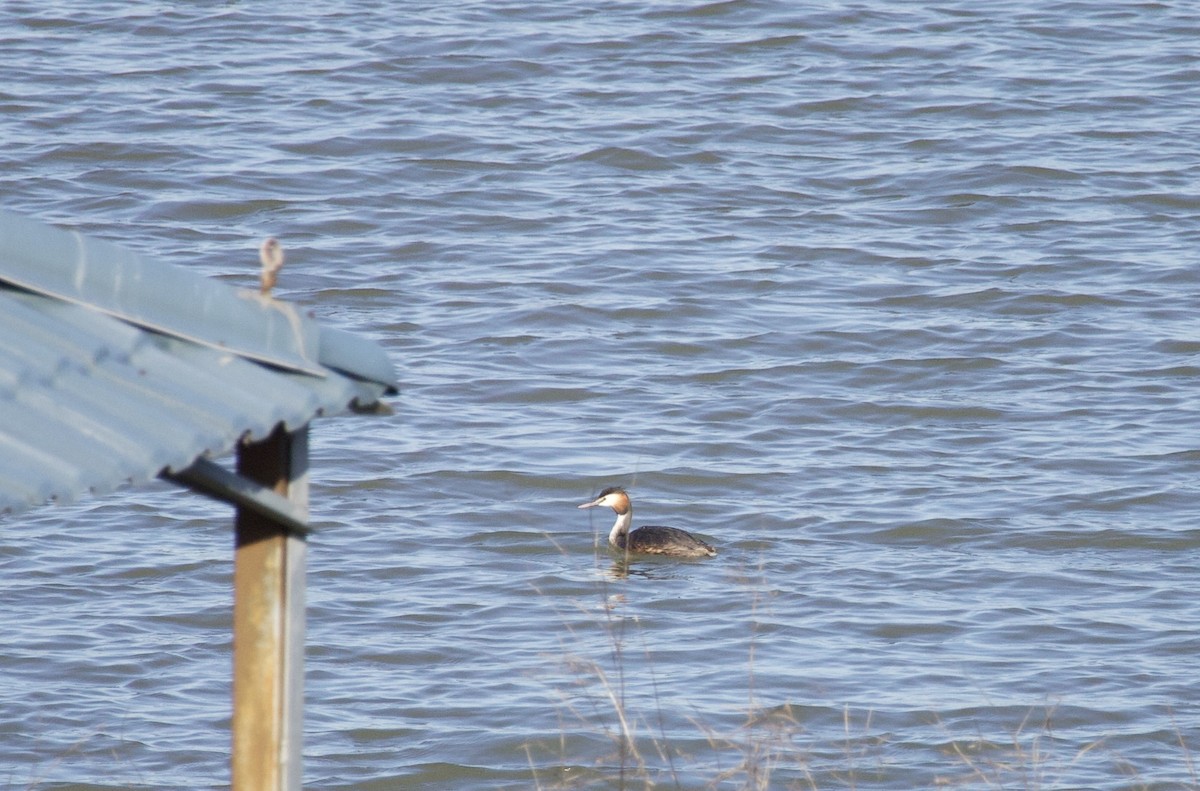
(894,303)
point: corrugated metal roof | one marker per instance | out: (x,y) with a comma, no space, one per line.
(114,367)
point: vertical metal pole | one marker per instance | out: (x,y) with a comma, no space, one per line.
(268,622)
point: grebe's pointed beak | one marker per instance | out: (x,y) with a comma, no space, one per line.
(592,504)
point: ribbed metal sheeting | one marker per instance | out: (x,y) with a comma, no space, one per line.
(90,398)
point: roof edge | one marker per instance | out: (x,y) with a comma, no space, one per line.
(157,296)
(356,356)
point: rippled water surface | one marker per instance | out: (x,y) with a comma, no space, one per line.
(894,304)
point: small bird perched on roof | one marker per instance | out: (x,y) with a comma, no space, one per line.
(271,255)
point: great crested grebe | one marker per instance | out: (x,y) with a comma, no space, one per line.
(648,539)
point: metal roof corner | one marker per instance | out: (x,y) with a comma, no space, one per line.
(167,299)
(115,368)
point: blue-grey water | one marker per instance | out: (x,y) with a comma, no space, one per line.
(894,303)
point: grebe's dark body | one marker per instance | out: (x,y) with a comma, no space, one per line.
(661,540)
(649,539)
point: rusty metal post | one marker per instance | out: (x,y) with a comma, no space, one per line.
(268,622)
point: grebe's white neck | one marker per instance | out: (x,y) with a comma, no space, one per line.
(620,528)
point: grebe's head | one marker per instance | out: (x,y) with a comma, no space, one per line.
(614,497)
